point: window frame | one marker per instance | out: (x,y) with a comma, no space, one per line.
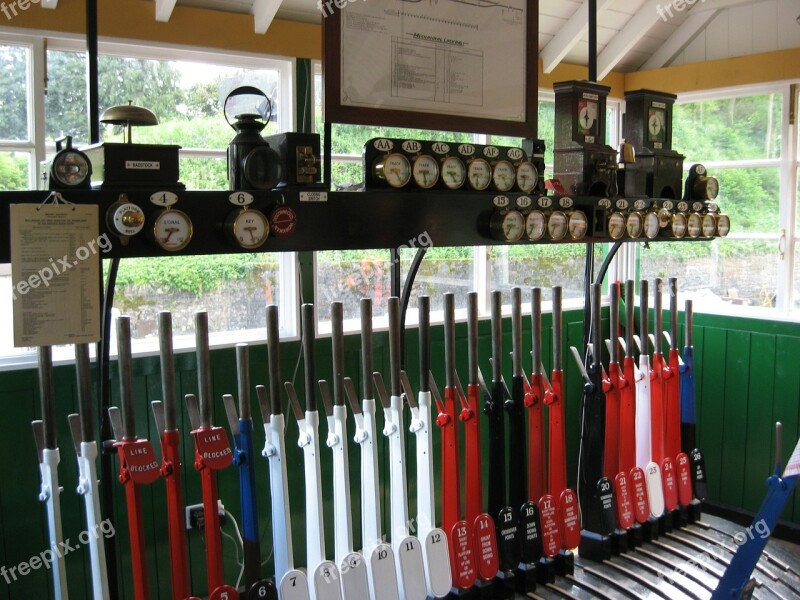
(787,164)
(37,148)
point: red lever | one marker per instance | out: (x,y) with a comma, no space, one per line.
(673,406)
(137,466)
(537,471)
(657,385)
(557,470)
(627,418)
(472,467)
(450,476)
(213,452)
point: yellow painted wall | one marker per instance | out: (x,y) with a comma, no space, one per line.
(135,19)
(756,68)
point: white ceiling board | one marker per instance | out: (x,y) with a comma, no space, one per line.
(788,26)
(631,33)
(740,28)
(717,39)
(563,9)
(765,20)
(664,54)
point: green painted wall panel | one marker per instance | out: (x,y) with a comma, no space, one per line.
(709,387)
(734,431)
(759,444)
(786,404)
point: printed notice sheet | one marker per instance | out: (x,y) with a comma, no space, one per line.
(453,57)
(55,273)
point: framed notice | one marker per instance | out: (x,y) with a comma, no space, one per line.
(55,273)
(459,65)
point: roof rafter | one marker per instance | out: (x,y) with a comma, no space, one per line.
(164,10)
(569,35)
(633,31)
(680,38)
(264,12)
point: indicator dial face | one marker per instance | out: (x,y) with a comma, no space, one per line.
(706,188)
(651,225)
(527,176)
(557,225)
(172,230)
(126,219)
(587,117)
(655,125)
(635,225)
(70,168)
(394,169)
(578,225)
(694,223)
(425,171)
(503,176)
(513,226)
(507,226)
(709,225)
(679,225)
(248,228)
(453,172)
(479,174)
(723,225)
(616,225)
(535,225)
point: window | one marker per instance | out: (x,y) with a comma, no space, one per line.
(742,137)
(17,144)
(348,276)
(186,90)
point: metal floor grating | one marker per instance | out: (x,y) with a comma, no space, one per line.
(683,565)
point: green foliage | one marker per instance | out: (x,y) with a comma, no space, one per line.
(13,93)
(729,129)
(194,274)
(13,171)
(149,83)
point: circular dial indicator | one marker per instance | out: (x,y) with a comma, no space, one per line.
(248,228)
(453,172)
(723,225)
(172,230)
(709,225)
(616,225)
(507,226)
(706,188)
(394,169)
(479,174)
(678,225)
(503,176)
(527,176)
(557,225)
(651,225)
(635,225)
(425,171)
(535,225)
(578,225)
(694,224)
